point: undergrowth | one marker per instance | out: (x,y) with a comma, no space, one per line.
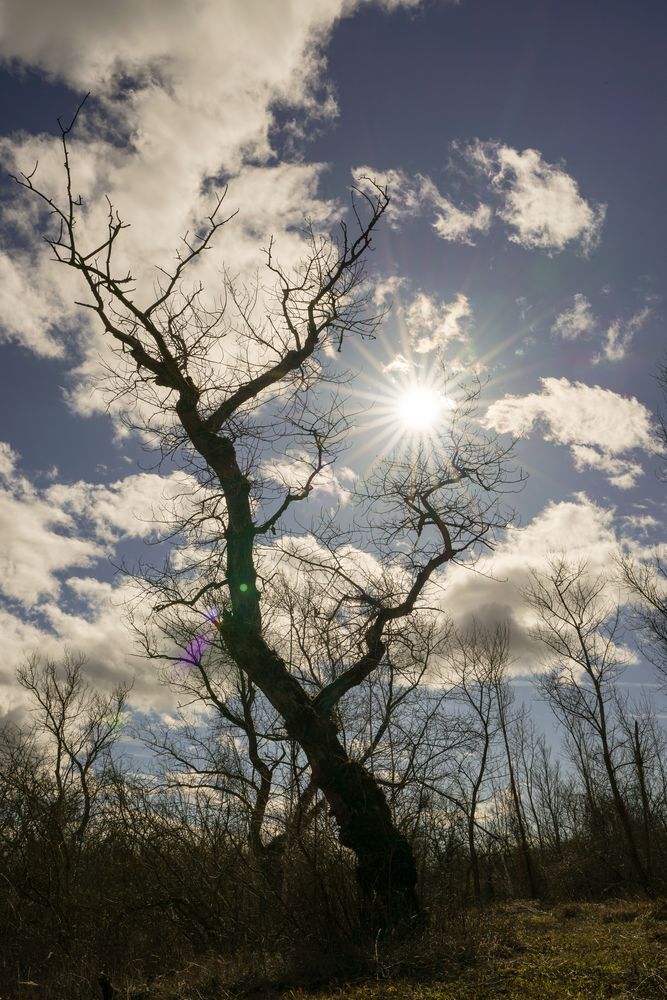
(515,951)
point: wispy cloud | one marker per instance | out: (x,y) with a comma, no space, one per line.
(431,323)
(579,321)
(414,196)
(620,334)
(293,471)
(576,321)
(455,223)
(538,202)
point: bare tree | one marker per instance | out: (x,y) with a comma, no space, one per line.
(511,726)
(545,788)
(646,584)
(580,625)
(662,382)
(230,390)
(55,773)
(472,667)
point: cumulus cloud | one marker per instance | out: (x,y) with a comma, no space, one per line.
(385,289)
(576,321)
(539,202)
(294,470)
(128,508)
(427,323)
(597,424)
(39,542)
(32,308)
(210,75)
(97,629)
(8,460)
(584,530)
(458,226)
(187,60)
(47,532)
(398,365)
(621,472)
(47,604)
(405,191)
(453,222)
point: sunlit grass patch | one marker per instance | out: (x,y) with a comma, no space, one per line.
(523,951)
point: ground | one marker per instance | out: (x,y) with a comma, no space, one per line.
(516,951)
(576,951)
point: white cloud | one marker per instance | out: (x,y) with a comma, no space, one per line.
(621,472)
(49,533)
(576,321)
(8,460)
(579,321)
(539,201)
(427,322)
(406,192)
(33,308)
(416,195)
(38,543)
(620,335)
(599,425)
(579,527)
(385,289)
(432,324)
(453,223)
(66,525)
(457,225)
(293,471)
(128,508)
(642,523)
(399,364)
(184,91)
(98,631)
(39,539)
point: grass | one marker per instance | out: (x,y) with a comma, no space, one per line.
(517,951)
(527,952)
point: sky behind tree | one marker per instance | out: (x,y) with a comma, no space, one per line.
(523,147)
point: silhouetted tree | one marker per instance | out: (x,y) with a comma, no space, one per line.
(580,624)
(234,389)
(55,773)
(646,584)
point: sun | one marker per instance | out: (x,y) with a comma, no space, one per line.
(420,408)
(404,411)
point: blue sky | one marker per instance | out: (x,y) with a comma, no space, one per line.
(524,148)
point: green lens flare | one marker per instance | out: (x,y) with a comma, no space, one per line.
(243,588)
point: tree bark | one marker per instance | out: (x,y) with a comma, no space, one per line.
(646,807)
(386,871)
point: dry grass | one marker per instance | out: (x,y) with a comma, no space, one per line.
(518,951)
(615,951)
(515,951)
